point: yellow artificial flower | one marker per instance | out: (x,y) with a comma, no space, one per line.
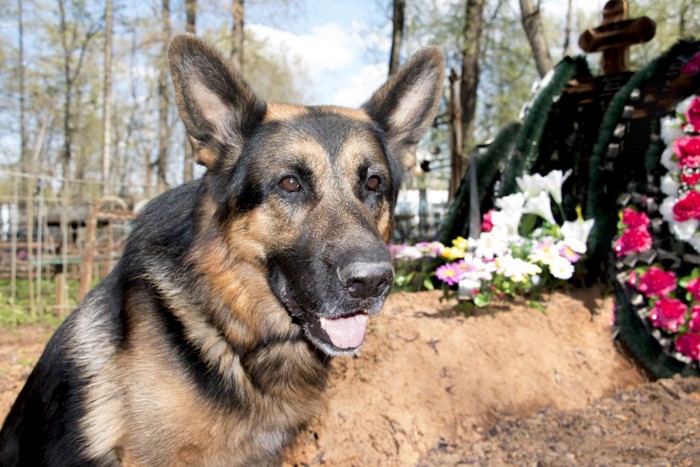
(461,243)
(453,253)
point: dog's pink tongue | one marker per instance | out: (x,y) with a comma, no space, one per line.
(346,333)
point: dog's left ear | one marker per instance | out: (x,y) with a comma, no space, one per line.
(405,106)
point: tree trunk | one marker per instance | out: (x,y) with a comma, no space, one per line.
(237,32)
(471,52)
(107,103)
(397,35)
(567,28)
(191,27)
(532,23)
(163,102)
(457,166)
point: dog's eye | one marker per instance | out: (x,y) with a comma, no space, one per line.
(373,183)
(289,184)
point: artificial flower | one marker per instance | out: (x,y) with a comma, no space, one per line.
(692,115)
(506,221)
(687,207)
(656,282)
(404,252)
(694,323)
(430,249)
(576,233)
(634,219)
(632,241)
(692,66)
(693,287)
(452,253)
(461,243)
(553,182)
(561,268)
(531,185)
(516,269)
(689,345)
(486,223)
(541,206)
(567,252)
(511,204)
(668,314)
(687,149)
(448,273)
(669,185)
(492,244)
(671,130)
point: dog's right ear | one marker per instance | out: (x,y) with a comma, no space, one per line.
(216,105)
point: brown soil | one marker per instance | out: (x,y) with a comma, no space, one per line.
(514,386)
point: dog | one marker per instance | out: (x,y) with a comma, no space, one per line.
(209,342)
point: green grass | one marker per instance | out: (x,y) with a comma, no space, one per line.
(13,314)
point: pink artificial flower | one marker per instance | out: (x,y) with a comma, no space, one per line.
(689,345)
(668,313)
(692,116)
(694,288)
(487,224)
(634,219)
(694,324)
(634,278)
(687,149)
(448,273)
(656,282)
(688,207)
(632,241)
(692,66)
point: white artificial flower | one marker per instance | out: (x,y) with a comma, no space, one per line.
(516,269)
(409,252)
(544,252)
(682,230)
(669,185)
(467,288)
(561,268)
(511,204)
(671,129)
(553,182)
(492,244)
(540,206)
(576,234)
(669,160)
(695,243)
(684,105)
(506,221)
(531,185)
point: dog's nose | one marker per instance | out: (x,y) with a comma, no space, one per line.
(365,280)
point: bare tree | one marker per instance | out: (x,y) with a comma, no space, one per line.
(471,51)
(107,102)
(191,27)
(163,100)
(532,23)
(398,20)
(238,7)
(567,28)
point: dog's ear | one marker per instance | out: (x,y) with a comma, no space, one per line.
(405,105)
(216,105)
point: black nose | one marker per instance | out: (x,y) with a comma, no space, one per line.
(365,279)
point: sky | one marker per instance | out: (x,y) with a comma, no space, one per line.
(333,39)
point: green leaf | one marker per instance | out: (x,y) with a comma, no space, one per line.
(428,284)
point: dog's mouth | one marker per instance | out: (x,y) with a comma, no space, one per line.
(335,335)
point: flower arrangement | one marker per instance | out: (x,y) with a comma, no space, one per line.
(670,305)
(520,250)
(681,184)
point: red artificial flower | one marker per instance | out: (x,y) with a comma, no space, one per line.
(668,313)
(692,66)
(634,219)
(687,149)
(688,207)
(632,241)
(690,179)
(694,288)
(656,282)
(692,116)
(487,224)
(694,324)
(689,345)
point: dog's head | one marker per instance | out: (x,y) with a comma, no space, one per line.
(309,191)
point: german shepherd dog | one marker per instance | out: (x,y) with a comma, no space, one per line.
(208,343)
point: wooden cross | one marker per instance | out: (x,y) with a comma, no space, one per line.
(615,35)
